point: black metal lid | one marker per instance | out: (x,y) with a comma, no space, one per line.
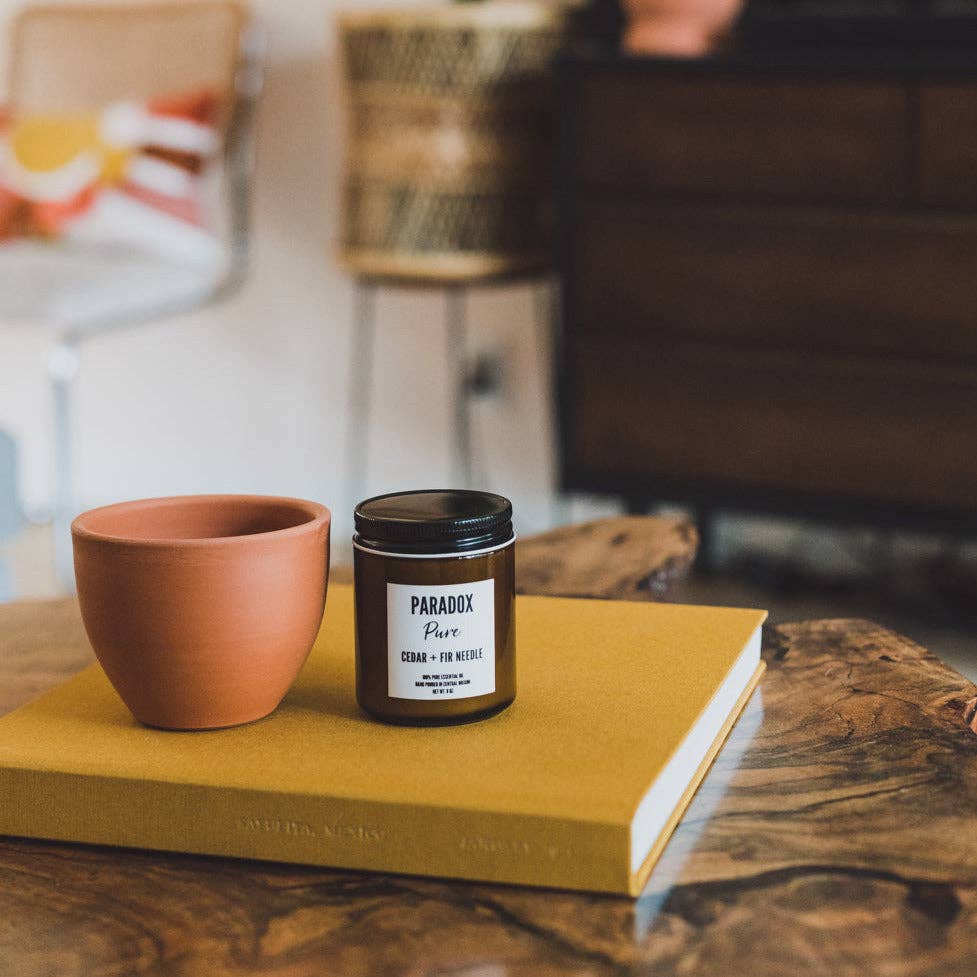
(433,521)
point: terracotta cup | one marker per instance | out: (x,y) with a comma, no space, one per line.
(202,608)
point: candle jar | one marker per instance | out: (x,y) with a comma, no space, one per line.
(434,575)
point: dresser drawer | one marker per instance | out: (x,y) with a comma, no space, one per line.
(800,138)
(947,152)
(839,428)
(885,284)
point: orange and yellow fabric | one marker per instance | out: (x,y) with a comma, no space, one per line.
(131,170)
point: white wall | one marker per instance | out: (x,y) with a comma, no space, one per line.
(251,395)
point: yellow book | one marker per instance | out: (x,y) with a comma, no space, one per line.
(620,709)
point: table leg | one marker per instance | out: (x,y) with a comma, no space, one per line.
(62,371)
(360,382)
(458,352)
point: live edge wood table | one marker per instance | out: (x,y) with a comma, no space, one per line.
(836,834)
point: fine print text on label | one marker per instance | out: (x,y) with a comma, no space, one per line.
(441,640)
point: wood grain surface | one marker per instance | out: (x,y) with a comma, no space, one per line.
(42,643)
(834,835)
(608,558)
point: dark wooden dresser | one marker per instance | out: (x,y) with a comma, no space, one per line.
(769,270)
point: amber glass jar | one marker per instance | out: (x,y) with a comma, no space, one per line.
(435,593)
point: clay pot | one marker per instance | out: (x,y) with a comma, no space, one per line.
(202,609)
(678,28)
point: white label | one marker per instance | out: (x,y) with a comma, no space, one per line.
(441,640)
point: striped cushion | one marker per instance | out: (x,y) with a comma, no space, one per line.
(125,175)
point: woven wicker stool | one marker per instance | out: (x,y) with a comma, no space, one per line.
(448,170)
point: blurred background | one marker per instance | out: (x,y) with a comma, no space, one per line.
(250,394)
(675,255)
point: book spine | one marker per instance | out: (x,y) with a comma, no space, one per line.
(315,830)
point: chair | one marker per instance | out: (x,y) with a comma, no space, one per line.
(71,59)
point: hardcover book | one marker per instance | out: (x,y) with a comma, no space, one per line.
(621,707)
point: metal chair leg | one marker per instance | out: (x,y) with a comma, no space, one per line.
(11,518)
(361,376)
(458,354)
(62,371)
(545,301)
(544,308)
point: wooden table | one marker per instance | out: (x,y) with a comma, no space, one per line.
(835,835)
